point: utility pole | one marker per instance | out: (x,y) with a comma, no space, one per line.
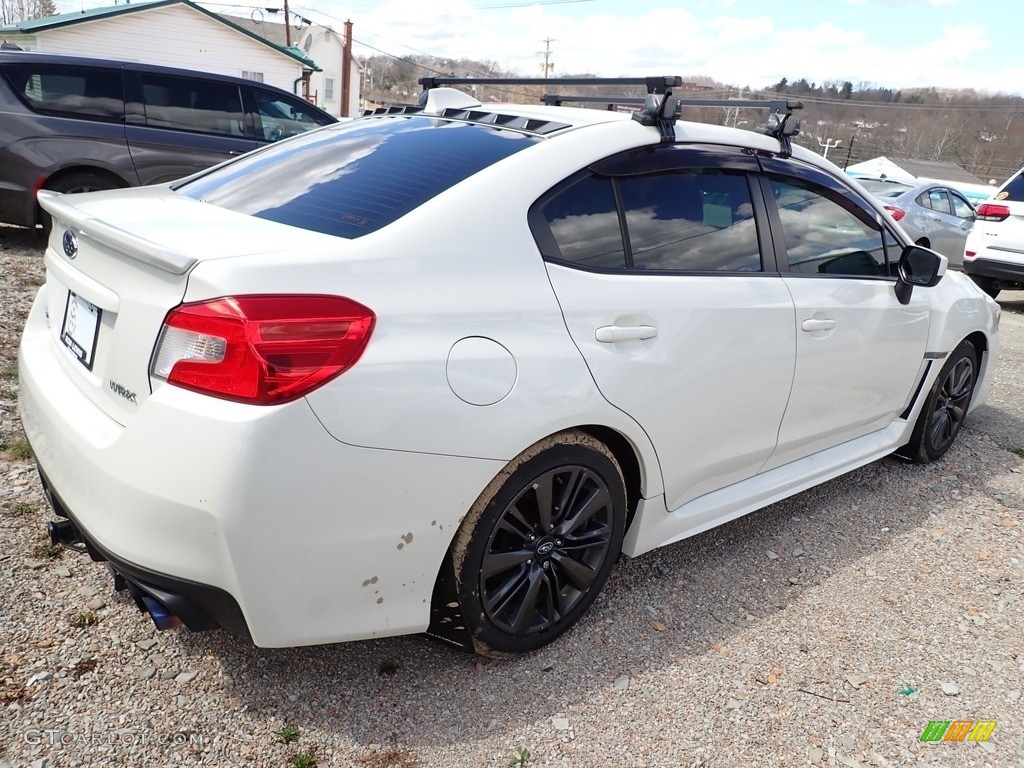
(849,150)
(346,70)
(287,25)
(829,144)
(546,53)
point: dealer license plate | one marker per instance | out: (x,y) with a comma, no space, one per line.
(80,328)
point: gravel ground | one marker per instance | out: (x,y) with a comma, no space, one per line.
(825,630)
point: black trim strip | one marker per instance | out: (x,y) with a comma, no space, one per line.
(917,392)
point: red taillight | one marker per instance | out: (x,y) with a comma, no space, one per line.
(262,350)
(993,212)
(896,213)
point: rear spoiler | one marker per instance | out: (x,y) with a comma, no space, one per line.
(66,215)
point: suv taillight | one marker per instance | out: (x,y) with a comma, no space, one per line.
(993,212)
(262,350)
(896,213)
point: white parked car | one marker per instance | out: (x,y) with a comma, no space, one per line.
(433,369)
(994,251)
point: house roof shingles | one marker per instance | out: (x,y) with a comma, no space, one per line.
(936,169)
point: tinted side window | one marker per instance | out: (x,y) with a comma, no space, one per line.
(285,117)
(822,234)
(938,201)
(692,220)
(584,221)
(83,92)
(961,208)
(193,105)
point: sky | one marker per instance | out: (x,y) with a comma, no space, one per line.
(885,43)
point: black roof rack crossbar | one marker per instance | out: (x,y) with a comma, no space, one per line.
(775,105)
(557,99)
(658,84)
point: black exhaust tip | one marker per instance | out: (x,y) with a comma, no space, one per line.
(65,534)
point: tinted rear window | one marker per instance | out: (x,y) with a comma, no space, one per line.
(84,92)
(354,179)
(1014,190)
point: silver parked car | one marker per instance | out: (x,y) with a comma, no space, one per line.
(934,216)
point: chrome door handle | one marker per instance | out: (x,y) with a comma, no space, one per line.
(818,325)
(609,334)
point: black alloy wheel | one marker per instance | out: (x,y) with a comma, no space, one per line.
(540,547)
(944,411)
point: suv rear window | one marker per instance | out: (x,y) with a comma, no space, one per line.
(94,94)
(357,178)
(1014,190)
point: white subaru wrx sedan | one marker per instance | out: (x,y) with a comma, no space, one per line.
(434,369)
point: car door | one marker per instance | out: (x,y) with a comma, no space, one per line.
(859,351)
(655,258)
(180,125)
(965,216)
(946,226)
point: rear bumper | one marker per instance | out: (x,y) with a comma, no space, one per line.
(199,606)
(1003,271)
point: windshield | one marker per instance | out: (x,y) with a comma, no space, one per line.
(352,179)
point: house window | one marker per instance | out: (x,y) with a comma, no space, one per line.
(257,76)
(328,89)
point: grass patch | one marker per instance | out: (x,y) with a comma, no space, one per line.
(9,371)
(48,551)
(18,449)
(23,509)
(303,760)
(85,619)
(1018,452)
(521,758)
(288,734)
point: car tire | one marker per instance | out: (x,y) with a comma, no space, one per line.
(987,284)
(539,544)
(945,408)
(74,183)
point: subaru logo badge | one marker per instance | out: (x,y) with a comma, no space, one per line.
(70,242)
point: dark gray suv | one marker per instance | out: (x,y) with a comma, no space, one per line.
(74,124)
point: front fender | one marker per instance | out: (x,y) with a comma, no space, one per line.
(961,310)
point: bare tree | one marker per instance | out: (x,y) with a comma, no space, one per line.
(13,11)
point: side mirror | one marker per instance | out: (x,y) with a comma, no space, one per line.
(918,267)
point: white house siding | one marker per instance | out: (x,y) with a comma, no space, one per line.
(173,36)
(326,50)
(28,42)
